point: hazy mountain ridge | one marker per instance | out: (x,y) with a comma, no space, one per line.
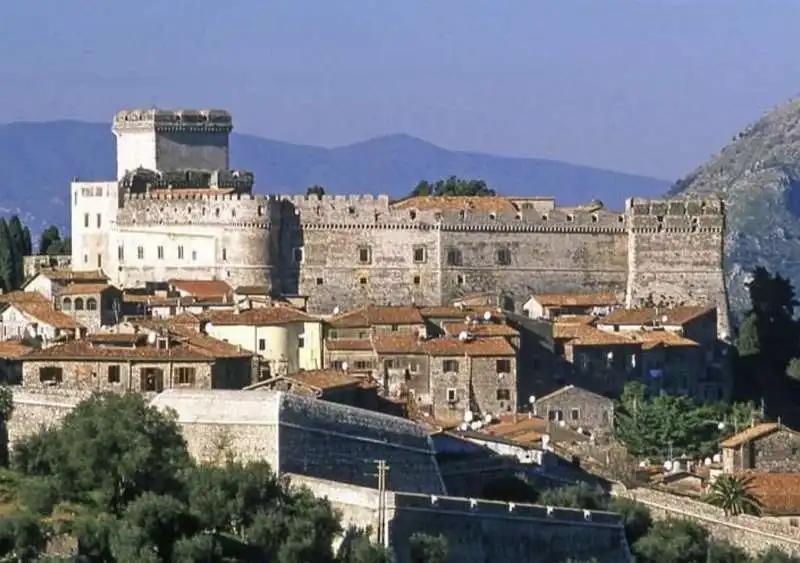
(758,176)
(38,160)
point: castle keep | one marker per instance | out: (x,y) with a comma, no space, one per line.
(177,211)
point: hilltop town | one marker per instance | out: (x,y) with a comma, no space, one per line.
(402,357)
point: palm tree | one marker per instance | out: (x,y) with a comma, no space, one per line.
(733,495)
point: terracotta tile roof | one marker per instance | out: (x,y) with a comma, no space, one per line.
(398,343)
(47,314)
(325,379)
(252,290)
(644,316)
(576,319)
(576,299)
(66,276)
(566,388)
(201,288)
(260,316)
(480,329)
(454,203)
(377,315)
(130,338)
(753,433)
(526,428)
(156,301)
(778,493)
(654,338)
(12,350)
(590,336)
(348,345)
(84,288)
(488,346)
(186,318)
(446,312)
(23,297)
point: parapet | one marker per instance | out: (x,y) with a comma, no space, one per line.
(676,215)
(142,180)
(181,120)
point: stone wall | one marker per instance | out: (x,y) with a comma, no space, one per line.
(751,533)
(35,410)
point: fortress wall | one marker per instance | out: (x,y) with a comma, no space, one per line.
(179,208)
(35,410)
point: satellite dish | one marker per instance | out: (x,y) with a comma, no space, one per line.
(717,458)
(468,416)
(344,366)
(151,337)
(488,418)
(668,465)
(463,427)
(707,461)
(336,310)
(209,326)
(487,316)
(532,399)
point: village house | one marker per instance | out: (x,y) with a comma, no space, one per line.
(50,282)
(139,360)
(286,340)
(31,317)
(93,305)
(551,306)
(778,495)
(12,353)
(769,447)
(326,385)
(576,408)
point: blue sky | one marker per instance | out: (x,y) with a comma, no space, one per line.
(646,86)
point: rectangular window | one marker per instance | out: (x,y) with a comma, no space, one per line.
(113,374)
(419,255)
(194,255)
(337,364)
(460,280)
(301,340)
(76,198)
(99,261)
(362,281)
(85,258)
(298,255)
(120,253)
(390,364)
(575,414)
(184,376)
(85,219)
(450,366)
(503,257)
(140,252)
(417,280)
(262,344)
(320,281)
(180,253)
(160,252)
(51,375)
(364,255)
(504,394)
(413,366)
(555,416)
(362,364)
(503,366)
(453,257)
(99,220)
(451,395)
(224,254)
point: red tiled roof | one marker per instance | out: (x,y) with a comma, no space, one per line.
(398,343)
(576,299)
(777,493)
(354,345)
(47,314)
(488,346)
(644,316)
(752,433)
(480,329)
(75,276)
(202,288)
(377,315)
(325,379)
(260,316)
(13,350)
(23,297)
(84,288)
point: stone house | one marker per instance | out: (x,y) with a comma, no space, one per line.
(50,282)
(550,306)
(31,317)
(11,355)
(145,361)
(768,447)
(93,305)
(286,340)
(326,385)
(576,408)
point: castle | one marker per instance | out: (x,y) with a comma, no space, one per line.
(176,210)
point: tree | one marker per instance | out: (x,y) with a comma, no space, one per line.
(427,549)
(356,547)
(733,495)
(7,267)
(773,305)
(60,247)
(452,186)
(27,246)
(580,495)
(793,369)
(673,541)
(748,343)
(17,237)
(774,555)
(726,552)
(316,190)
(635,517)
(6,409)
(47,238)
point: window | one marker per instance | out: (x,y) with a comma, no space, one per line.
(99,261)
(113,374)
(337,364)
(194,255)
(364,255)
(85,258)
(452,396)
(120,253)
(224,254)
(79,304)
(85,219)
(460,279)
(233,213)
(298,255)
(417,280)
(394,328)
(76,198)
(454,257)
(390,364)
(140,252)
(362,281)
(362,364)
(262,344)
(450,366)
(160,252)
(555,415)
(575,414)
(504,394)
(301,340)
(51,375)
(66,305)
(184,376)
(99,220)
(413,366)
(503,257)
(180,253)
(503,366)
(91,304)
(319,281)
(419,254)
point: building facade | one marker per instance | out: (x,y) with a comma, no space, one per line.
(176,211)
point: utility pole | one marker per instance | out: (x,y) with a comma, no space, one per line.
(381,474)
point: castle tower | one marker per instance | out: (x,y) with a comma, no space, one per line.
(169,140)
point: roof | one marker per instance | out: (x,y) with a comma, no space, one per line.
(480,329)
(349,345)
(253,290)
(66,276)
(445,203)
(378,315)
(84,288)
(260,316)
(201,288)
(752,433)
(778,493)
(446,312)
(590,336)
(318,379)
(488,347)
(12,349)
(47,314)
(398,343)
(23,297)
(653,338)
(567,388)
(675,316)
(576,299)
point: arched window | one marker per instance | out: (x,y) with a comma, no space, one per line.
(66,304)
(91,304)
(79,304)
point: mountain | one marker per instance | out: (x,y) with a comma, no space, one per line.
(758,177)
(38,160)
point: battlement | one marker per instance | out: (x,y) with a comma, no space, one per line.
(505,510)
(183,120)
(205,194)
(141,180)
(704,215)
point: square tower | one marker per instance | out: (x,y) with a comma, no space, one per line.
(170,140)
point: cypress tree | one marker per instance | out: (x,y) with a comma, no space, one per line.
(17,237)
(26,242)
(48,237)
(6,257)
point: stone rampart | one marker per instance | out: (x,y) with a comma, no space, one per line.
(36,410)
(751,533)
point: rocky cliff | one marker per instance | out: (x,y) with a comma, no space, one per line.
(758,176)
